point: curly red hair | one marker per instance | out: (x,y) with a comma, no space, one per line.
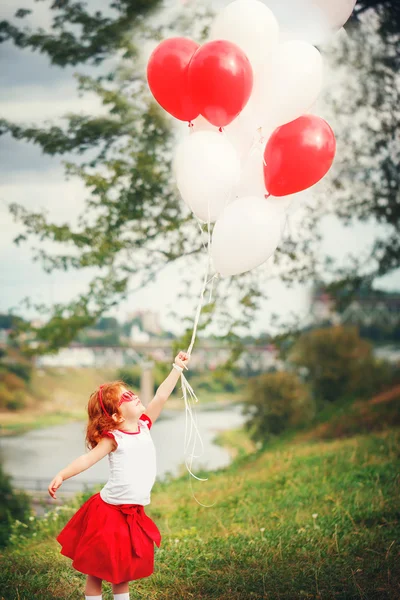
(99,422)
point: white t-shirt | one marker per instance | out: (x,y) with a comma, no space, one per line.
(132,466)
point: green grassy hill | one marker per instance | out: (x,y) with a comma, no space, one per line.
(304,518)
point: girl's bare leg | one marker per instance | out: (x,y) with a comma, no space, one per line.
(93,586)
(120,588)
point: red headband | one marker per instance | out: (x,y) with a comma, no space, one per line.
(126,396)
(101,400)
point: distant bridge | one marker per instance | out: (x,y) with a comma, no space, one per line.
(206,355)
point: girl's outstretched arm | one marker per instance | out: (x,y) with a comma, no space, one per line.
(164,391)
(83,462)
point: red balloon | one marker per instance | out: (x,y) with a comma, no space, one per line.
(167,75)
(221,80)
(298,155)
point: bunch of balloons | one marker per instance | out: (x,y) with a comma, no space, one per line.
(252,143)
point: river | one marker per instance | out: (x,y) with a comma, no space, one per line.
(41,453)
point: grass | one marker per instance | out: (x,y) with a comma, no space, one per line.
(304,518)
(236,441)
(351,418)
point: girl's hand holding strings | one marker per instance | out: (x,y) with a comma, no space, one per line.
(182,359)
(54,485)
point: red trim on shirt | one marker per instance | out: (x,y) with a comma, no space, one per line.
(142,417)
(146,419)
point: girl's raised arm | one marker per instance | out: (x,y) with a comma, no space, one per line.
(164,391)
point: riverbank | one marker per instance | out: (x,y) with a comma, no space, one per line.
(60,395)
(23,421)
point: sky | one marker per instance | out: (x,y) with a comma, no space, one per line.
(32,91)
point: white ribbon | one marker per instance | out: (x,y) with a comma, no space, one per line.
(187,390)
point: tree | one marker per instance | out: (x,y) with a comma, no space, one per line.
(107,324)
(124,160)
(8,321)
(367,181)
(276,402)
(335,358)
(388,12)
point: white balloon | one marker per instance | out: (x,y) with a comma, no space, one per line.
(291,203)
(313,21)
(292,85)
(250,25)
(201,124)
(207,169)
(252,177)
(242,134)
(245,236)
(239,133)
(286,89)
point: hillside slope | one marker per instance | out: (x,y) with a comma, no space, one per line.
(302,519)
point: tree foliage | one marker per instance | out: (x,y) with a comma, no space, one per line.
(133,224)
(367,180)
(340,364)
(276,402)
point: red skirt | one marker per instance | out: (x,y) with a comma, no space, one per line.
(112,542)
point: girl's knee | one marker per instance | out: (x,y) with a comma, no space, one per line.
(121,587)
(93,578)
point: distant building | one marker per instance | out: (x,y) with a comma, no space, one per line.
(68,357)
(37,323)
(322,307)
(369,307)
(81,356)
(150,320)
(137,335)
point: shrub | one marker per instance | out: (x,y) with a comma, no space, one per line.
(206,385)
(376,376)
(13,505)
(131,376)
(24,371)
(6,395)
(336,359)
(276,402)
(17,401)
(12,381)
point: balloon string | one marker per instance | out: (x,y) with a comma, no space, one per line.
(187,389)
(199,307)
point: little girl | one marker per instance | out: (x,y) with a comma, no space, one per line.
(110,537)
